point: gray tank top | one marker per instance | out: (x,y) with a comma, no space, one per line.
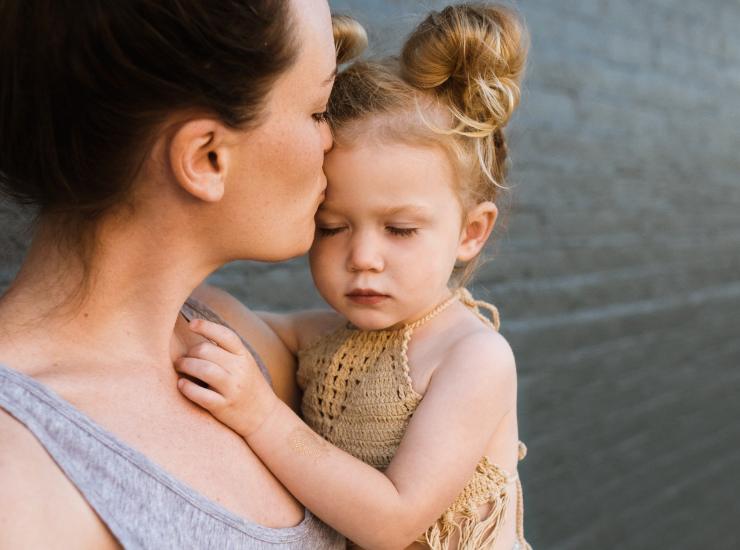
(142,505)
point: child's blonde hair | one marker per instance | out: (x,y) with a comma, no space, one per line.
(455,85)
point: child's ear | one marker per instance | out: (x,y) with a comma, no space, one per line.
(198,156)
(476,229)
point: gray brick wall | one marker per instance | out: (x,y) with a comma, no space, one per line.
(617,274)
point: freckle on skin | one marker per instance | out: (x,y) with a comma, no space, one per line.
(306,443)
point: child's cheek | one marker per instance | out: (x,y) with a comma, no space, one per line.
(322,263)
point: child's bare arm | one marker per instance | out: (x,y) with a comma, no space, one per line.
(299,329)
(465,401)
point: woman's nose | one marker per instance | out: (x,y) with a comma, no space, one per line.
(364,255)
(327,140)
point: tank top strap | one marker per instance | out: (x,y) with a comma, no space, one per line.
(193,309)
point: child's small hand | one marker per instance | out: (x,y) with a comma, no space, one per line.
(238,394)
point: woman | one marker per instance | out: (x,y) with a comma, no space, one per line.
(159,140)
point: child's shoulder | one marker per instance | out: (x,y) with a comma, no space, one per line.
(483,346)
(313,325)
(480,356)
(475,369)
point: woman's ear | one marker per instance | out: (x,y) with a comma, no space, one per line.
(476,229)
(198,156)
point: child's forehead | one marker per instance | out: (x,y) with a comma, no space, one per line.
(383,208)
(388,179)
(375,162)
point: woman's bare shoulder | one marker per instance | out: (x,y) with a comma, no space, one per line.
(23,466)
(39,506)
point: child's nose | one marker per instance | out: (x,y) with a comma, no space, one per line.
(364,255)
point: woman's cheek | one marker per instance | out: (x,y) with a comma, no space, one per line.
(316,151)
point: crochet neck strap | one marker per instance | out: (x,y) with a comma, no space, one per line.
(462,294)
(433,313)
(476,305)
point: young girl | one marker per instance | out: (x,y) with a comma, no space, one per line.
(410,388)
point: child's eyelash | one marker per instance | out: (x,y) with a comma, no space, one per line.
(401,231)
(396,231)
(328,231)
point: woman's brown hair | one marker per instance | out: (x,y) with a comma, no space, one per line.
(84,85)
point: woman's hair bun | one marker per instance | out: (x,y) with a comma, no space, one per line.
(350,38)
(472,56)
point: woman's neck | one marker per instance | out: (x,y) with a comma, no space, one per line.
(138,280)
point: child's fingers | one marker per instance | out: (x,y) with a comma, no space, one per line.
(209,351)
(221,335)
(208,399)
(210,373)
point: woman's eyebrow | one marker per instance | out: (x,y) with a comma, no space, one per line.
(331,77)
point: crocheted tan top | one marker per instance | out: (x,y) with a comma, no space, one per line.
(358,396)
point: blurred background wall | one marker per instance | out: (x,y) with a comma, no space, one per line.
(617,275)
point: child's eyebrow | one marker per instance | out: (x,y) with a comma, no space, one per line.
(415,210)
(325,208)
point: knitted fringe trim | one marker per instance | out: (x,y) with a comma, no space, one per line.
(474,532)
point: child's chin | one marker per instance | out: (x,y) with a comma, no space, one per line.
(369,323)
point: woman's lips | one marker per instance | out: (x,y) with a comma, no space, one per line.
(367,297)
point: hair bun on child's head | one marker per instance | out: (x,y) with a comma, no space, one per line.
(472,57)
(350,38)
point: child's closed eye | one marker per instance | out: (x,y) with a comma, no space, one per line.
(328,231)
(401,231)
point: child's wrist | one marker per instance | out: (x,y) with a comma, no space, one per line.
(262,410)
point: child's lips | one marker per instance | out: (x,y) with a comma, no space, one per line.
(366,296)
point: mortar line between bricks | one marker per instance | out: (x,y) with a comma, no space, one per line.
(629,309)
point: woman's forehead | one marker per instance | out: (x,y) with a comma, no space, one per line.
(316,60)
